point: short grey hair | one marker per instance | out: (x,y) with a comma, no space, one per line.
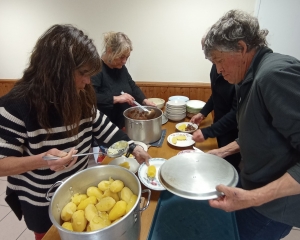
(234,26)
(118,42)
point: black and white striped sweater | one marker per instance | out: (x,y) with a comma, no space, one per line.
(21,135)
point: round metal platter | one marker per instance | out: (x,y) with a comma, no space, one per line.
(196,175)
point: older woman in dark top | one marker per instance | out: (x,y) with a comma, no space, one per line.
(115,78)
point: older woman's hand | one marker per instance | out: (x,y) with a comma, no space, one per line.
(65,161)
(124,98)
(149,103)
(141,155)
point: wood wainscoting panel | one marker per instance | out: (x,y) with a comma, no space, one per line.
(6,85)
(194,91)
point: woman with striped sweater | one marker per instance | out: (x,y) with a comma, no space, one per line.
(51,111)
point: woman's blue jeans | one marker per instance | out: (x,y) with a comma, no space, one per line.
(254,226)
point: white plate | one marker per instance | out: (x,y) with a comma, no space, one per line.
(186,123)
(154,183)
(164,119)
(181,143)
(133,164)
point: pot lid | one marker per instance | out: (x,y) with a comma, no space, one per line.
(196,175)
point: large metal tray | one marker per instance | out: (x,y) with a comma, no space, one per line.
(196,175)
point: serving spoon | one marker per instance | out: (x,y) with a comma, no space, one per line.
(149,114)
(115,150)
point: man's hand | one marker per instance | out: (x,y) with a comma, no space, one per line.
(233,199)
(197,118)
(198,136)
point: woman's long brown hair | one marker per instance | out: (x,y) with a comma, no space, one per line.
(49,78)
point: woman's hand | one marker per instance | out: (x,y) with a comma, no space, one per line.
(149,103)
(141,155)
(124,98)
(65,161)
(198,136)
(197,118)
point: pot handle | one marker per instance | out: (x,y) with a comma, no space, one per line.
(148,200)
(53,186)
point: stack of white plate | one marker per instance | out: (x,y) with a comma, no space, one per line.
(176,110)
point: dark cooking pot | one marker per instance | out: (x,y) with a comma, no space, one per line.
(146,131)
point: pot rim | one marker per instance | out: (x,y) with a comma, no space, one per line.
(149,108)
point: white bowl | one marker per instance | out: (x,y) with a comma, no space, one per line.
(159,102)
(175,117)
(133,164)
(179,98)
(176,103)
(194,106)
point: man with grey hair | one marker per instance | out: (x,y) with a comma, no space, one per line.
(267,198)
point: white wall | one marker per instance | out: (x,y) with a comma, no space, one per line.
(281,18)
(166,34)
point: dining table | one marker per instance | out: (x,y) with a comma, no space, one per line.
(166,151)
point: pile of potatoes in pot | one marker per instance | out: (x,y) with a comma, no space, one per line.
(99,207)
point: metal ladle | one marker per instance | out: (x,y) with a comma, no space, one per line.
(116,150)
(149,114)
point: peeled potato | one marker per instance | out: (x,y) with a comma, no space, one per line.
(182,127)
(151,172)
(131,202)
(116,186)
(82,205)
(105,204)
(90,211)
(67,225)
(67,211)
(99,223)
(78,221)
(104,185)
(96,209)
(77,198)
(109,193)
(88,227)
(181,137)
(94,191)
(126,194)
(125,165)
(118,210)
(174,140)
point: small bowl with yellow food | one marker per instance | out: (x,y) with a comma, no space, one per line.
(186,127)
(129,163)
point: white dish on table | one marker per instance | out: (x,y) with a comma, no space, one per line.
(159,102)
(181,143)
(152,183)
(186,124)
(133,164)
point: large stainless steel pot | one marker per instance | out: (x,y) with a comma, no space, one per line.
(128,228)
(145,131)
